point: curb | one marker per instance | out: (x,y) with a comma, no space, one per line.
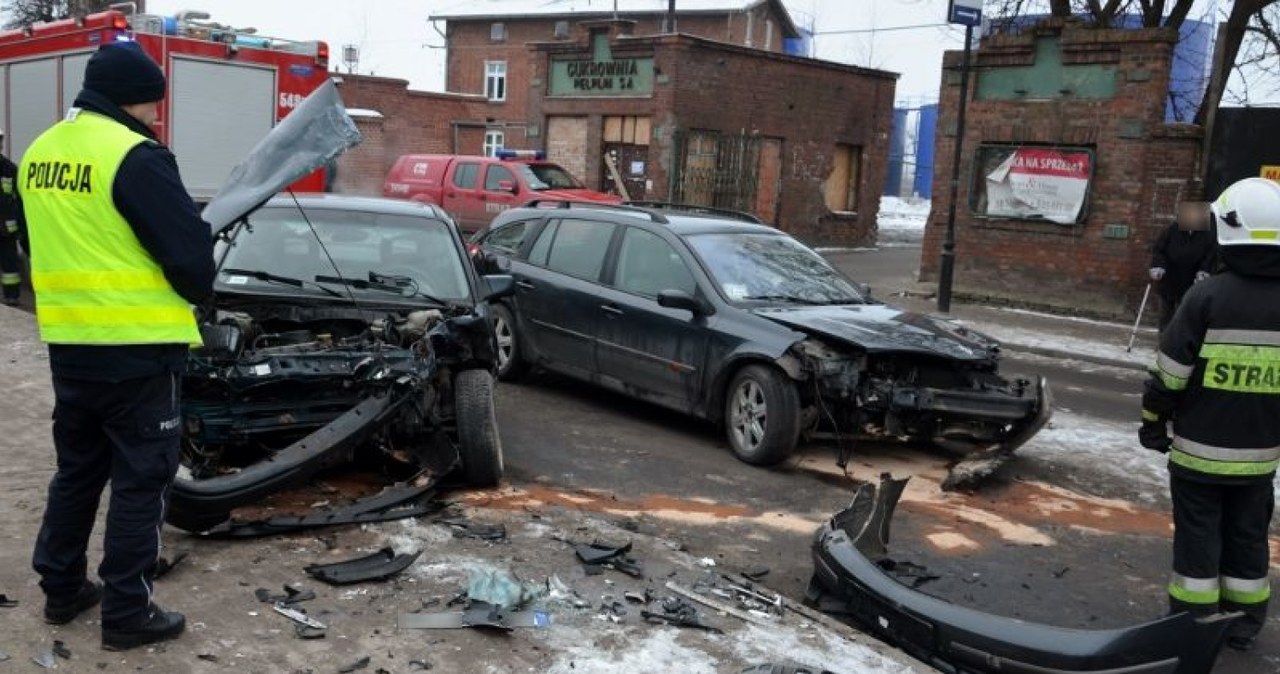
(1067,355)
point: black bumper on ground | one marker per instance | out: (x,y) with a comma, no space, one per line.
(197,505)
(958,640)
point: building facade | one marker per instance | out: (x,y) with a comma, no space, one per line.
(1069,168)
(693,119)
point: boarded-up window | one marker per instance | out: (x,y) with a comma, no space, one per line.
(841,188)
(629,130)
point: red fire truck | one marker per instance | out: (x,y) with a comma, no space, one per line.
(227,87)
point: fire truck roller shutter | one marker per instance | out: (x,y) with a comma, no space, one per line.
(73,77)
(218,112)
(37,108)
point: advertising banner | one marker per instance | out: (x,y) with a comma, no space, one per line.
(1040,182)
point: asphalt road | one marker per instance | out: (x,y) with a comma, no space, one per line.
(1030,543)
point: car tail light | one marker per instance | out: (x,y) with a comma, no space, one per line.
(473,249)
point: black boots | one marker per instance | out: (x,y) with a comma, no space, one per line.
(158,625)
(63,611)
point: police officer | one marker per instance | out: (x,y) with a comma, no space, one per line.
(10,232)
(118,255)
(1217,378)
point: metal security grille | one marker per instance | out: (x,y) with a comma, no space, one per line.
(714,169)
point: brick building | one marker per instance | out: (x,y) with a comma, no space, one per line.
(1069,168)
(719,119)
(396,120)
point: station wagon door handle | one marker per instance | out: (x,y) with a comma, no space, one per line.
(524,285)
(611,310)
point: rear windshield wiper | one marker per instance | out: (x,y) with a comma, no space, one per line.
(282,280)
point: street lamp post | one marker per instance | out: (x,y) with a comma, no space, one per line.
(969,13)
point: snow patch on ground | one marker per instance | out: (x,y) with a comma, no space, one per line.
(902,220)
(1142,329)
(1087,445)
(1088,348)
(818,651)
(651,650)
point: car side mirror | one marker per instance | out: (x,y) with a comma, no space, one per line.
(679,299)
(498,286)
(506,186)
(864,290)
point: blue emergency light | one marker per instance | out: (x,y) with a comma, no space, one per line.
(520,154)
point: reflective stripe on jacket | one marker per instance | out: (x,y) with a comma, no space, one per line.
(1217,377)
(94,281)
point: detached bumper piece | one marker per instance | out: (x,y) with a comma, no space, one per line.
(381,565)
(958,640)
(394,503)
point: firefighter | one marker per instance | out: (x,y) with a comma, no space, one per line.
(10,233)
(1182,255)
(118,256)
(1217,379)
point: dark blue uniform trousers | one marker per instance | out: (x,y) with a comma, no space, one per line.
(127,433)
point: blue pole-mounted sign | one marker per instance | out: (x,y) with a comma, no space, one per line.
(965,12)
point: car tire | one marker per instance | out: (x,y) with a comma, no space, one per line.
(761,415)
(479,446)
(511,362)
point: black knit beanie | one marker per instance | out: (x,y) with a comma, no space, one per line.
(124,74)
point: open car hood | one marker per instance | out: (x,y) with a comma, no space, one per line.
(878,328)
(316,132)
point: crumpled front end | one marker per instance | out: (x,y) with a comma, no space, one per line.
(848,581)
(963,407)
(266,411)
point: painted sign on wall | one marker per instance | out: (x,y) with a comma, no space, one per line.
(602,74)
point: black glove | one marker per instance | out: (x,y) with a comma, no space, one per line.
(1154,435)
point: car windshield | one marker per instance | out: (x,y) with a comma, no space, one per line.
(548,177)
(280,242)
(771,268)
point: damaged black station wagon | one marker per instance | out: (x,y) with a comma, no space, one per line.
(716,315)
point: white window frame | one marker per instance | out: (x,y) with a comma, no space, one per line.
(495,80)
(494,140)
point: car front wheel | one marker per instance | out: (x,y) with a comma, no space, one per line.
(479,445)
(511,363)
(762,415)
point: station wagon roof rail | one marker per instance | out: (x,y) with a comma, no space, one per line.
(695,209)
(567,203)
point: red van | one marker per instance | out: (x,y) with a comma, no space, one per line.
(475,189)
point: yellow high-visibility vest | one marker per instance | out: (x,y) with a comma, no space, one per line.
(94,282)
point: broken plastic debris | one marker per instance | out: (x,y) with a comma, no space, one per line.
(355,666)
(478,614)
(48,658)
(485,532)
(600,555)
(381,565)
(707,562)
(679,613)
(292,595)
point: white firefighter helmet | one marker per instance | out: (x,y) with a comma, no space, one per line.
(1248,213)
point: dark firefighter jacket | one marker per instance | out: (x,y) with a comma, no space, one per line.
(1217,375)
